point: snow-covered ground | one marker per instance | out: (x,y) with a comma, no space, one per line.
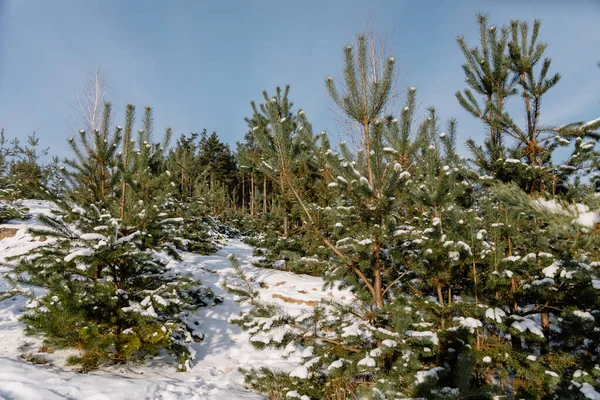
(215,372)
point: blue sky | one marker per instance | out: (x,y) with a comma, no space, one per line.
(199,63)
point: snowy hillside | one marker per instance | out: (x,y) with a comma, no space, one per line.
(214,375)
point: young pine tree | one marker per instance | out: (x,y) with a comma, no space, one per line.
(109,292)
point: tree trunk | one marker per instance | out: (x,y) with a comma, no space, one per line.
(265,194)
(545,317)
(123,189)
(124,184)
(475,279)
(102,181)
(368,154)
(284,205)
(243,194)
(377,281)
(440,294)
(252,195)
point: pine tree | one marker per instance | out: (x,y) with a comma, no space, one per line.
(508,63)
(535,279)
(281,144)
(361,345)
(105,271)
(487,73)
(218,161)
(107,294)
(92,173)
(8,192)
(26,171)
(274,128)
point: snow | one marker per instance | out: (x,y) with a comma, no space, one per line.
(470,323)
(375,352)
(424,334)
(367,362)
(214,373)
(128,238)
(545,281)
(421,376)
(495,314)
(171,220)
(93,236)
(335,365)
(584,315)
(579,373)
(78,253)
(589,392)
(551,270)
(352,330)
(590,123)
(300,372)
(580,213)
(524,324)
(588,219)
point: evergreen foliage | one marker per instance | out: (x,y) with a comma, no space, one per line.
(470,278)
(109,292)
(108,295)
(463,287)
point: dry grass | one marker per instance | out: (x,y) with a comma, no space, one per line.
(311,303)
(7,232)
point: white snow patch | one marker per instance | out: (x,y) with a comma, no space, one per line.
(300,372)
(335,365)
(367,362)
(495,314)
(421,376)
(470,323)
(431,336)
(584,315)
(78,253)
(589,392)
(525,324)
(551,270)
